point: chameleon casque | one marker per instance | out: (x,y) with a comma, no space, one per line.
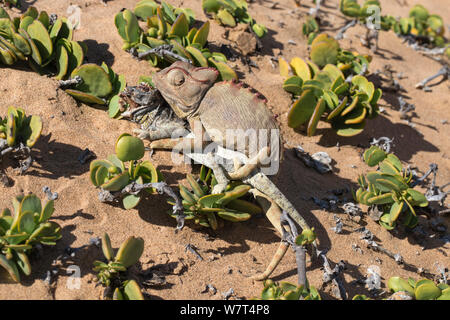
(213,110)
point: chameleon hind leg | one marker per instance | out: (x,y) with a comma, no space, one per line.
(244,171)
(273,213)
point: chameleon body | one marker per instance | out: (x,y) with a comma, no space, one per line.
(213,110)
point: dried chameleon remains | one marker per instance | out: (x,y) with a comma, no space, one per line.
(245,136)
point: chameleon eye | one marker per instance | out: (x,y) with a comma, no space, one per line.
(176,77)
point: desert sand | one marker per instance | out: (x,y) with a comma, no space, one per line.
(238,250)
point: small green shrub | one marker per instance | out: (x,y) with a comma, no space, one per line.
(22,229)
(329,93)
(389,188)
(287,291)
(17,128)
(231,12)
(204,208)
(113,274)
(189,43)
(423,289)
(113,175)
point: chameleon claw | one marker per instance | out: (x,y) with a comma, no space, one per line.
(141,134)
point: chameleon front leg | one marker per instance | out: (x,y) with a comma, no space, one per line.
(273,213)
(219,174)
(179,144)
(152,135)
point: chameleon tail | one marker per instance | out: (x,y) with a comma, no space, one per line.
(262,183)
(281,251)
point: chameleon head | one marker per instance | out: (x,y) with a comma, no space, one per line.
(183,86)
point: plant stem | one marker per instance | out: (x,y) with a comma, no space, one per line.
(162,51)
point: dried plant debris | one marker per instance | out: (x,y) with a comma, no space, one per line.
(352,210)
(341,33)
(392,84)
(86,155)
(383,143)
(434,193)
(373,279)
(338,201)
(407,110)
(50,195)
(209,288)
(339,225)
(228,294)
(298,242)
(367,236)
(444,72)
(193,250)
(333,276)
(320,161)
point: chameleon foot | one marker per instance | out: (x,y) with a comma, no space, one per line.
(255,162)
(141,134)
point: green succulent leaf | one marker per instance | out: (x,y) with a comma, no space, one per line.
(11,267)
(396,284)
(374,155)
(95,80)
(130,251)
(129,148)
(107,248)
(132,291)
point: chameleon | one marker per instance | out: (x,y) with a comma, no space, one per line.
(212,111)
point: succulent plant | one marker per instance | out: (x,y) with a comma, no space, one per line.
(423,289)
(345,102)
(93,84)
(351,8)
(113,175)
(308,236)
(23,228)
(46,43)
(17,128)
(41,40)
(389,188)
(205,208)
(177,38)
(287,291)
(146,9)
(310,29)
(422,24)
(231,12)
(113,273)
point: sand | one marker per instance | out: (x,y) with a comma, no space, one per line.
(239,250)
